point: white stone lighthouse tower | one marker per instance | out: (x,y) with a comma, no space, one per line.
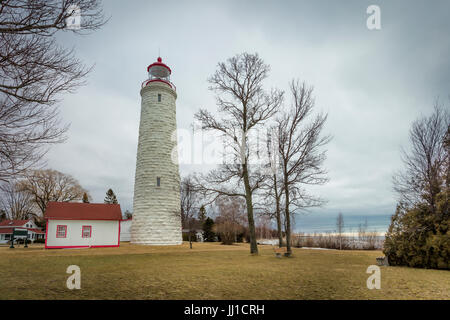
(156,207)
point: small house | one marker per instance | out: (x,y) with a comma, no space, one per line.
(7,228)
(82,225)
(197,234)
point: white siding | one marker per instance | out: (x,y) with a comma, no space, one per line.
(104,233)
(125,230)
(30,224)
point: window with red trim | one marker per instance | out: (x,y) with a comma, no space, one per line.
(86,231)
(61,231)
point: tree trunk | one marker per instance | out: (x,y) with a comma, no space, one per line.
(251,221)
(190,239)
(287,214)
(279,231)
(277,213)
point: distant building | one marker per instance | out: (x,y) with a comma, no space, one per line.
(125,230)
(7,228)
(82,225)
(197,235)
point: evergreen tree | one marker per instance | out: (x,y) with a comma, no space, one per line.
(418,238)
(202,215)
(110,197)
(85,198)
(208,233)
(2,215)
(128,214)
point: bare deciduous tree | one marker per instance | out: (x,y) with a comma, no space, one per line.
(34,72)
(263,227)
(231,218)
(273,189)
(51,185)
(425,162)
(243,105)
(446,173)
(16,203)
(367,239)
(190,205)
(300,147)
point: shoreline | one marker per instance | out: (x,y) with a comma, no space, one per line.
(334,234)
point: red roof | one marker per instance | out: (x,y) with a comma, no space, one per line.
(83,211)
(10,230)
(36,230)
(13,223)
(159,63)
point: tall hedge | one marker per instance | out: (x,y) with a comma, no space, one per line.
(419,238)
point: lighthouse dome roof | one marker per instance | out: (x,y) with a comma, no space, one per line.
(159,69)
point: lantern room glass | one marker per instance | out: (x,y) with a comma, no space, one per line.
(159,73)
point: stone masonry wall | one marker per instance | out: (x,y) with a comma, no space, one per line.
(156,212)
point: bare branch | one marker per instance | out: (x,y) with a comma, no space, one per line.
(300,148)
(34,73)
(243,105)
(425,160)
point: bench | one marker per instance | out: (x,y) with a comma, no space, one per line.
(382,261)
(279,251)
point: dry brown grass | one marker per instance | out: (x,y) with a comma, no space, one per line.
(209,271)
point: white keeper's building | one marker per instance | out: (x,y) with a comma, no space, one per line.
(82,225)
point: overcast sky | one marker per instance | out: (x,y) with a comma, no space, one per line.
(373,84)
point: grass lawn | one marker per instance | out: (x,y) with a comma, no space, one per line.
(209,271)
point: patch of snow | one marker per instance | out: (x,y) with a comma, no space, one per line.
(312,248)
(268,241)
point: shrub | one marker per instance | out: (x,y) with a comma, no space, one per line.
(227,231)
(240,237)
(186,236)
(418,237)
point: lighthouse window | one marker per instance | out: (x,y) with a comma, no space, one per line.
(159,97)
(158,181)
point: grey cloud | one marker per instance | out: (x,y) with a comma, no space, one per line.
(373,84)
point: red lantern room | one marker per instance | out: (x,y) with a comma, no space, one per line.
(158,72)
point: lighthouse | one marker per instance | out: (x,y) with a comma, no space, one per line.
(156,204)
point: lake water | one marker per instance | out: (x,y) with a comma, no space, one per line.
(311,223)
